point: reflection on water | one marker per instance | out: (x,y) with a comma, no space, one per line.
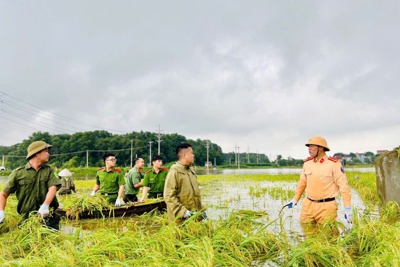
(222,197)
(273,171)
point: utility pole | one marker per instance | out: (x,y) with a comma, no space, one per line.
(150,153)
(238,149)
(257,156)
(131,153)
(159,139)
(87,158)
(248,157)
(236,154)
(207,146)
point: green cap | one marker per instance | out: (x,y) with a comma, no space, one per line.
(36,147)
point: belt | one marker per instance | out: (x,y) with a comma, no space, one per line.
(322,200)
(108,194)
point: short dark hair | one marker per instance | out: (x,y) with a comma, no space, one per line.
(108,154)
(155,157)
(136,159)
(180,147)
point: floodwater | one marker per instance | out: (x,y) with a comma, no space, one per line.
(274,171)
(222,197)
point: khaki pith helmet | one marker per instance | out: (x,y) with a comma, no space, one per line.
(36,147)
(318,141)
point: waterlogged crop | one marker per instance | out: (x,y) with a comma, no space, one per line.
(244,237)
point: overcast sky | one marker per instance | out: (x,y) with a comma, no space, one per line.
(262,75)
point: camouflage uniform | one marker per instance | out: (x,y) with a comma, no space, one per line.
(109,183)
(31,187)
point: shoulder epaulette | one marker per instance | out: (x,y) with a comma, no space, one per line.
(101,168)
(164,169)
(117,170)
(308,159)
(148,171)
(20,168)
(333,159)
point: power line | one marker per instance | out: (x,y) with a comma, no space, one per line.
(60,119)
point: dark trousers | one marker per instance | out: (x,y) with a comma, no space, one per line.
(130,198)
(53,221)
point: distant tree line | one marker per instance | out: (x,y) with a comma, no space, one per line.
(80,149)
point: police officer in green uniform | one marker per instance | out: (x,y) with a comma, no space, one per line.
(154,179)
(35,186)
(110,181)
(134,181)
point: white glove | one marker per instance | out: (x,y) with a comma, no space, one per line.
(348,215)
(2,215)
(93,193)
(44,210)
(292,203)
(119,202)
(187,214)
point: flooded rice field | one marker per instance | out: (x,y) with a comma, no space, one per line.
(223,197)
(244,228)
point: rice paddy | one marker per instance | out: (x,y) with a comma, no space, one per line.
(244,228)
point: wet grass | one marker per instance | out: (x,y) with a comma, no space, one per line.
(242,238)
(365,184)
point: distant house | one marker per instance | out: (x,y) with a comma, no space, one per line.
(342,157)
(381,151)
(361,157)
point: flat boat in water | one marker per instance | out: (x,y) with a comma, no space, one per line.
(127,210)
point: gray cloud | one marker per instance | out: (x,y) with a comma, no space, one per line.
(264,75)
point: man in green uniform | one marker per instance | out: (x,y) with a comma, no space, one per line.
(134,181)
(110,181)
(154,179)
(181,191)
(35,186)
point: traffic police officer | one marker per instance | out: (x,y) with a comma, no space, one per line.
(322,178)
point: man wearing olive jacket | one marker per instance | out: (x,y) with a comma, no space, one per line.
(35,186)
(181,190)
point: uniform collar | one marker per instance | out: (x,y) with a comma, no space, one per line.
(182,166)
(29,166)
(112,169)
(321,160)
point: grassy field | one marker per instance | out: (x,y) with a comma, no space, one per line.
(238,240)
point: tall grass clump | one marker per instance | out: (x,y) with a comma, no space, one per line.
(365,184)
(317,252)
(376,242)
